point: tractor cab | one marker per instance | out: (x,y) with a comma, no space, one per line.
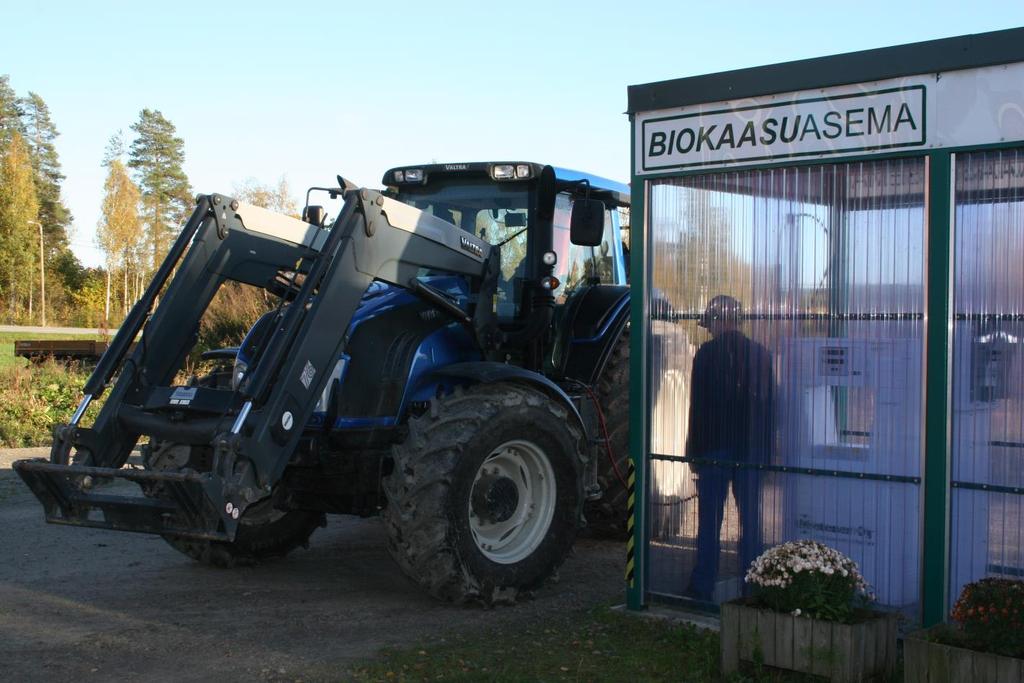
(553,274)
(511,205)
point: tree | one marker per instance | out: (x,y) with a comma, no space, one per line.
(156,156)
(116,148)
(87,299)
(40,134)
(10,112)
(119,232)
(277,198)
(30,118)
(19,210)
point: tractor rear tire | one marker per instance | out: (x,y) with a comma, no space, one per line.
(606,517)
(485,496)
(263,533)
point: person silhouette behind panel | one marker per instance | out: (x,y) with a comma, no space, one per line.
(731,395)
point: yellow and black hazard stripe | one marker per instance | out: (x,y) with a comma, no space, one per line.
(630,527)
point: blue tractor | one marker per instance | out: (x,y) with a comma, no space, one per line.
(450,353)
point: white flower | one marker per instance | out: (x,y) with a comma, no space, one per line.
(781,565)
(796,612)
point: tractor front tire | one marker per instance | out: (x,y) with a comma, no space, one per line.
(485,496)
(263,533)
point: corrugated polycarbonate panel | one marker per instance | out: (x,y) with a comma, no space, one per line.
(987,466)
(792,409)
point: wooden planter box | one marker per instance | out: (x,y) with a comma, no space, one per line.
(930,662)
(841,652)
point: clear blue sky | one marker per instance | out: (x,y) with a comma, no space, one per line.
(310,90)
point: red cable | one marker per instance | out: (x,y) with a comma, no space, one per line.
(607,439)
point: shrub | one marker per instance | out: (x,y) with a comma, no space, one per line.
(34,398)
(990,613)
(232,312)
(808,578)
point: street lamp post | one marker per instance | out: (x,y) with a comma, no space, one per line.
(42,275)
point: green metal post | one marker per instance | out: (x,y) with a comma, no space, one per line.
(936,462)
(636,564)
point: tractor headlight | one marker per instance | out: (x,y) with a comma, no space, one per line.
(549,258)
(237,373)
(523,171)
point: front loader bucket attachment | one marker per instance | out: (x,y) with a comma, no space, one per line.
(69,495)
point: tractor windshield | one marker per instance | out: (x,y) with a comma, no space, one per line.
(496,212)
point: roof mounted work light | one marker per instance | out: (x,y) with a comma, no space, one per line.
(503,172)
(511,171)
(408,175)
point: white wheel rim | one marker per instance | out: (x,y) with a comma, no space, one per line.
(513,533)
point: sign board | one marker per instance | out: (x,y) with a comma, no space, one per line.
(809,126)
(954,109)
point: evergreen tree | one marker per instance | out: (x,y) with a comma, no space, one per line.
(116,148)
(119,232)
(10,112)
(19,211)
(156,156)
(40,134)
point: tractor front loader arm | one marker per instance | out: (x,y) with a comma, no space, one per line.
(253,430)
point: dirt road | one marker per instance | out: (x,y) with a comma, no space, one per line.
(35,329)
(85,605)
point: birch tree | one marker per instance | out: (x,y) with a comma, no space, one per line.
(19,213)
(119,232)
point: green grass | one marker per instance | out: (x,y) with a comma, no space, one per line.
(601,645)
(7,339)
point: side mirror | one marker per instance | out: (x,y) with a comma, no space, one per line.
(313,215)
(586,225)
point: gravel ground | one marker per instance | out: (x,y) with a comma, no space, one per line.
(9,455)
(83,604)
